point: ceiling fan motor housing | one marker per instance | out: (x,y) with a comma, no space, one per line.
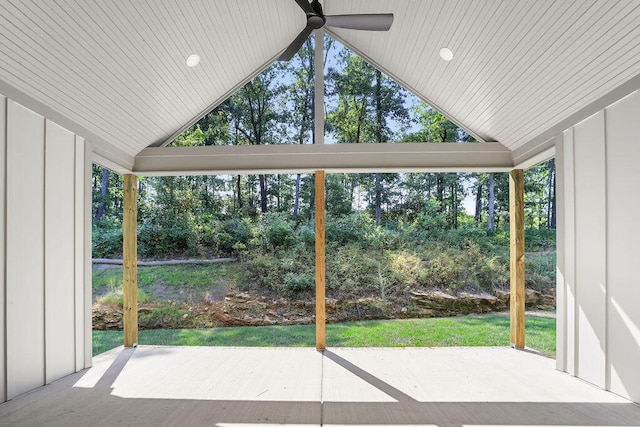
(315,21)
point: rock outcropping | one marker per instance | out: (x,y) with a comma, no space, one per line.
(245,309)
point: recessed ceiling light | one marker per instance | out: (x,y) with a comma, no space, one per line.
(446,54)
(193,60)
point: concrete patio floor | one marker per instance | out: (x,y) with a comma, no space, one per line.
(233,387)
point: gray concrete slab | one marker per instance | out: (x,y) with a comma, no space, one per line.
(235,387)
(461,387)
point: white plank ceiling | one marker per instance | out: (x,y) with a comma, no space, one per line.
(519,65)
(116,68)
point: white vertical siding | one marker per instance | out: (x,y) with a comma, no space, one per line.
(570,250)
(590,238)
(59,250)
(78,241)
(25,250)
(3,150)
(45,270)
(561,299)
(83,263)
(597,237)
(623,200)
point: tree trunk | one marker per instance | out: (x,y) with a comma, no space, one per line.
(278,192)
(263,193)
(440,192)
(296,199)
(104,188)
(239,190)
(312,199)
(492,200)
(454,205)
(478,214)
(378,199)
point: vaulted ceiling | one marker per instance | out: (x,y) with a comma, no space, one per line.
(114,70)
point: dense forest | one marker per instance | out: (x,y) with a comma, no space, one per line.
(384,231)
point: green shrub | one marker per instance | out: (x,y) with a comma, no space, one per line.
(352,271)
(279,232)
(307,235)
(173,236)
(232,232)
(403,269)
(298,282)
(159,316)
(208,234)
(540,270)
(354,228)
(427,227)
(107,243)
(107,238)
(384,239)
(262,271)
(540,240)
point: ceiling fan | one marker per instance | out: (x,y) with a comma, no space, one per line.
(317,19)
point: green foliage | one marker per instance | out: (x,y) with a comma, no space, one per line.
(354,228)
(539,270)
(362,259)
(352,271)
(169,236)
(434,127)
(234,234)
(263,271)
(430,223)
(298,282)
(279,232)
(307,235)
(337,200)
(106,239)
(539,240)
(166,314)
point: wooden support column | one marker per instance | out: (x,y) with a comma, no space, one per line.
(516,222)
(130,261)
(321,336)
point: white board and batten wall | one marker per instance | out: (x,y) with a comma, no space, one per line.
(598,330)
(45,318)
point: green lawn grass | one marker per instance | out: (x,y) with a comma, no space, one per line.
(487,330)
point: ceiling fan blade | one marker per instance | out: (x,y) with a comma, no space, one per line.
(305,6)
(370,22)
(295,45)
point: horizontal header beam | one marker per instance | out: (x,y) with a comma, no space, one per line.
(333,158)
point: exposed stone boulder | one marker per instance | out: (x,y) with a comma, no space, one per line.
(247,309)
(443,304)
(106,317)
